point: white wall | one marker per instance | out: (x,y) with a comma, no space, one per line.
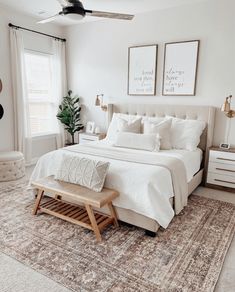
(33,42)
(98,55)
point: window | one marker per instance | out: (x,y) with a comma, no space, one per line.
(41,101)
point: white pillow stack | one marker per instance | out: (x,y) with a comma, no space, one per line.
(174,133)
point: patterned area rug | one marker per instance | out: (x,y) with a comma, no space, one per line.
(188,256)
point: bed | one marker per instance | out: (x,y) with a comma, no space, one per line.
(147,190)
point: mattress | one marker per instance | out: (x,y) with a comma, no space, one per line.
(191,159)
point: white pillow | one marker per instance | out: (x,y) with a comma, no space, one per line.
(155,120)
(83,171)
(163,129)
(149,142)
(113,127)
(185,134)
(128,126)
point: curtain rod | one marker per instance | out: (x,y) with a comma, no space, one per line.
(34,31)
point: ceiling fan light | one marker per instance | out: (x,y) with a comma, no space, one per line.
(74,16)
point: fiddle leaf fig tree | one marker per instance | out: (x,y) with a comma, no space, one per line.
(69,114)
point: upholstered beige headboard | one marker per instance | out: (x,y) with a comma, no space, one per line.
(204,113)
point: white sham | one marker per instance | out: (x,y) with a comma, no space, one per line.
(148,142)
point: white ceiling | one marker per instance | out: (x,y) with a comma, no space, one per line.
(45,8)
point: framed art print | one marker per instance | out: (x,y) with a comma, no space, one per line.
(142,65)
(90,127)
(180,68)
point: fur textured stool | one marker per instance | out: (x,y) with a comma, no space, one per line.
(12,166)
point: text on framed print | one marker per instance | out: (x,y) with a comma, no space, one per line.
(142,70)
(180,68)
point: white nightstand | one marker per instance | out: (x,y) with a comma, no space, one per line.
(87,138)
(221,169)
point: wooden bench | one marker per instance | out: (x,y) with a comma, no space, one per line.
(80,215)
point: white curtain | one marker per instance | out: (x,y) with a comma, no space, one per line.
(60,82)
(22,134)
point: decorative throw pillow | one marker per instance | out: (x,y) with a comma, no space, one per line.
(113,127)
(83,171)
(163,129)
(148,142)
(129,126)
(185,134)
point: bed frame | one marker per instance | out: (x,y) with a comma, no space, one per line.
(204,113)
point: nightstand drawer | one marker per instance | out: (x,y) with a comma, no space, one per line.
(85,138)
(222,157)
(221,180)
(223,169)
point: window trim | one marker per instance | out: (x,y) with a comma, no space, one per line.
(35,52)
(44,136)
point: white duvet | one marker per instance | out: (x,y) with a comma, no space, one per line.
(145,189)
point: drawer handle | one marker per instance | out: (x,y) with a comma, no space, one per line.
(228,170)
(226,159)
(224,181)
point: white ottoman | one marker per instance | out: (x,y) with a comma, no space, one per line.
(12,166)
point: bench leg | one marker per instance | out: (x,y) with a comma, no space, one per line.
(58,197)
(38,200)
(93,222)
(113,214)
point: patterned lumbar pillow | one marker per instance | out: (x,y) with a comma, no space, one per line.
(83,171)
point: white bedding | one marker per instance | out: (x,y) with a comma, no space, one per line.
(191,159)
(143,188)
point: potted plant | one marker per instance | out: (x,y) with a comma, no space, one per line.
(69,114)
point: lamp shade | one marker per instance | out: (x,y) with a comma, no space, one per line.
(97,101)
(226,106)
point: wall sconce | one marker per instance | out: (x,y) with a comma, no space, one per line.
(226,107)
(99,102)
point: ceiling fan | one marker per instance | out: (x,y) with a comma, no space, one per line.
(75,10)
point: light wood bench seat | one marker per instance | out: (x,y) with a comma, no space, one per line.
(81,215)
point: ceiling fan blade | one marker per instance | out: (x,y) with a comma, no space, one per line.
(49,19)
(109,15)
(63,3)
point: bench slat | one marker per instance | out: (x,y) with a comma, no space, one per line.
(72,211)
(81,216)
(103,224)
(66,218)
(47,203)
(77,213)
